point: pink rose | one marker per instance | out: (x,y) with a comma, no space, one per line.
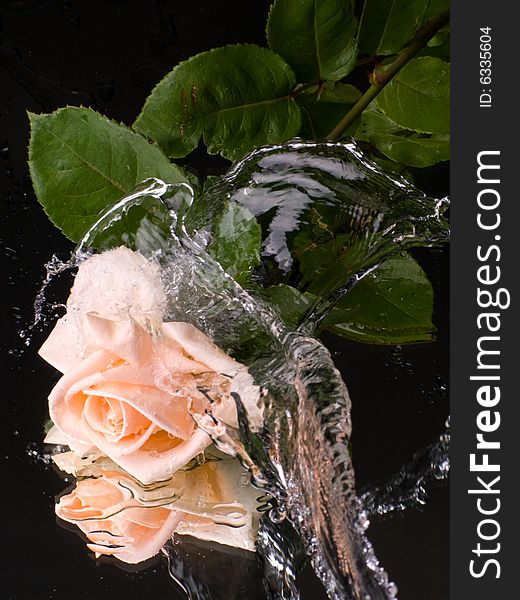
(131,383)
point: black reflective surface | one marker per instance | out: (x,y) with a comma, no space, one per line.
(108,55)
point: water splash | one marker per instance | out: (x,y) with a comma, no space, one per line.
(54,267)
(302,456)
(329,216)
(408,487)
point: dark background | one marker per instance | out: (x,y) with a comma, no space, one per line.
(108,55)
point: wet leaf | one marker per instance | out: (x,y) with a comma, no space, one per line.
(81,163)
(236,241)
(373,122)
(418,97)
(290,303)
(322,109)
(320,118)
(337,92)
(392,305)
(414,151)
(235,98)
(386,27)
(317,38)
(400,145)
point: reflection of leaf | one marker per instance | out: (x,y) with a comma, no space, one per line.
(236,241)
(316,38)
(235,98)
(402,146)
(417,98)
(392,305)
(81,163)
(386,27)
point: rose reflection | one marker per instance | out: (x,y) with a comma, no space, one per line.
(130,521)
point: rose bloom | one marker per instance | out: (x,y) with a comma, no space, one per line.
(131,381)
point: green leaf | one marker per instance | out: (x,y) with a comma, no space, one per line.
(400,145)
(435,7)
(236,98)
(81,163)
(339,93)
(290,303)
(236,241)
(414,151)
(418,97)
(316,37)
(392,305)
(320,118)
(387,26)
(324,107)
(439,45)
(373,122)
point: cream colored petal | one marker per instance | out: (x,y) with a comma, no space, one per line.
(204,350)
(55,436)
(201,347)
(119,284)
(165,410)
(149,466)
(94,421)
(65,407)
(125,339)
(63,349)
(91,465)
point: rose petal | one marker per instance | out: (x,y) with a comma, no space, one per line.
(65,408)
(133,428)
(119,284)
(200,346)
(164,410)
(55,436)
(125,339)
(63,349)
